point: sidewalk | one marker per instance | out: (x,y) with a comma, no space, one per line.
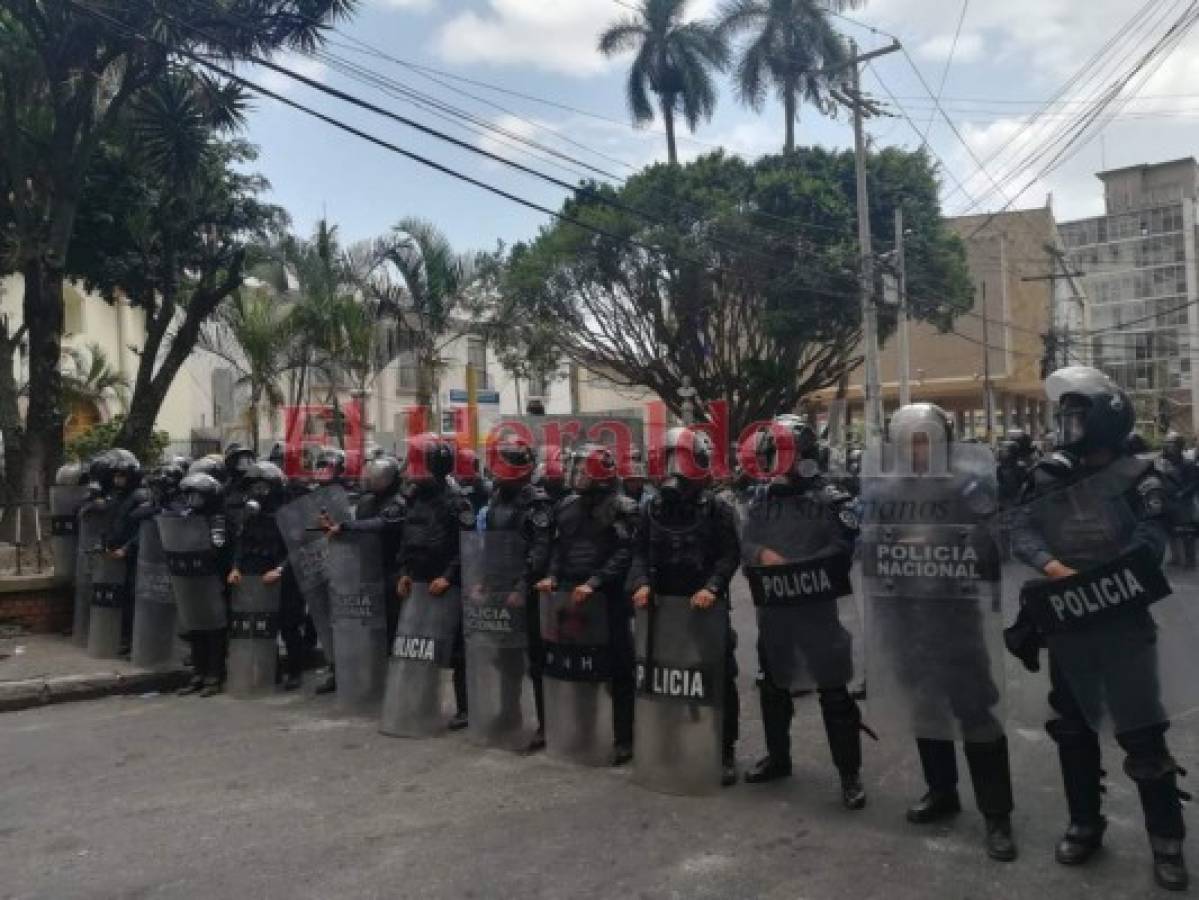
(41,669)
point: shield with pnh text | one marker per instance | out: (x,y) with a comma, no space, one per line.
(576,678)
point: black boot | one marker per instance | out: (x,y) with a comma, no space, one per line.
(934,806)
(1080,842)
(1169,867)
(853,794)
(212,687)
(768,769)
(728,768)
(192,687)
(536,742)
(622,754)
(327,684)
(459,721)
(292,682)
(1000,844)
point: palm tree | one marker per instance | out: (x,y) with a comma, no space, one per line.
(674,60)
(251,333)
(792,47)
(88,379)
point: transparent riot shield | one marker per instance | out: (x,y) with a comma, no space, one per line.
(797,562)
(253,637)
(577,678)
(93,519)
(308,552)
(196,572)
(1120,640)
(359,616)
(110,596)
(680,695)
(494,607)
(932,586)
(154,616)
(421,656)
(65,501)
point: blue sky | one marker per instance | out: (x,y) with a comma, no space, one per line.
(1007,53)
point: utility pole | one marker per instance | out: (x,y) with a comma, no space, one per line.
(905,353)
(988,397)
(851,96)
(1057,337)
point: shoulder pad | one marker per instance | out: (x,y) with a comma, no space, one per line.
(394,512)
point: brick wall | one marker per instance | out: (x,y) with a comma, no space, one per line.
(36,604)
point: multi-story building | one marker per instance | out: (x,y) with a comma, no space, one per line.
(1142,281)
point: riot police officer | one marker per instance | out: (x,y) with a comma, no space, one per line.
(595,531)
(203,498)
(517,505)
(429,549)
(121,536)
(551,473)
(1112,504)
(260,551)
(470,481)
(803,516)
(634,478)
(687,546)
(1181,478)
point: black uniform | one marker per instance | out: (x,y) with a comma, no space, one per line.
(529,512)
(1180,477)
(429,549)
(833,531)
(128,509)
(594,539)
(1096,535)
(260,548)
(684,545)
(384,515)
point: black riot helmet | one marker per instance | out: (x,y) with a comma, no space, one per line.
(265,485)
(202,494)
(99,472)
(789,439)
(1093,412)
(238,460)
(166,479)
(331,465)
(1021,441)
(687,459)
(70,475)
(512,463)
(212,466)
(920,435)
(382,476)
(1173,445)
(430,459)
(592,469)
(125,468)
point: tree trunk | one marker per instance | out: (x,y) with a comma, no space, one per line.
(790,106)
(10,414)
(672,150)
(42,443)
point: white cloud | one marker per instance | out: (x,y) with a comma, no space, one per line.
(936,49)
(553,35)
(297,62)
(405,4)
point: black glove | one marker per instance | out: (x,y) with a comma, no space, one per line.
(1024,642)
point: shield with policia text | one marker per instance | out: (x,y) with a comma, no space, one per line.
(65,501)
(1118,634)
(798,574)
(418,672)
(494,600)
(308,552)
(577,678)
(93,519)
(253,634)
(357,605)
(680,695)
(197,575)
(154,612)
(931,580)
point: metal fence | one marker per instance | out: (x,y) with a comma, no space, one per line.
(25,547)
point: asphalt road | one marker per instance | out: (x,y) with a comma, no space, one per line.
(164,797)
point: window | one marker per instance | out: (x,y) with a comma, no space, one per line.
(476,356)
(407,372)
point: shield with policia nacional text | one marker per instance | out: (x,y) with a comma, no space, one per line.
(931,580)
(308,552)
(577,678)
(110,594)
(197,575)
(494,607)
(154,614)
(65,501)
(253,637)
(93,519)
(680,659)
(357,605)
(798,576)
(1116,631)
(418,672)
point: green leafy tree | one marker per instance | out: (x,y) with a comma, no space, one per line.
(106,435)
(674,60)
(68,72)
(754,314)
(89,379)
(791,48)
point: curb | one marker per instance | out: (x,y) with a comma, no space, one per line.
(34,692)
